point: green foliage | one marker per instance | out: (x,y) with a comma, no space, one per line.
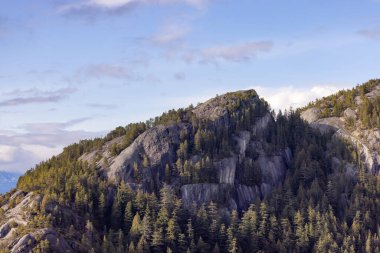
(318,207)
(334,105)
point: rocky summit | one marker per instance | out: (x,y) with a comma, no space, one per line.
(229,175)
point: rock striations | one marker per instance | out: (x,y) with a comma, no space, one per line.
(349,126)
(246,167)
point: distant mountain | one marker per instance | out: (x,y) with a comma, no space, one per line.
(8,181)
(228,175)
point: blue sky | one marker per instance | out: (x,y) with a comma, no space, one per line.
(76,69)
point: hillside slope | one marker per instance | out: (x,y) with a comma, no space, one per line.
(225,176)
(353,115)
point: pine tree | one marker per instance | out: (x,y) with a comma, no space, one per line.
(172,232)
(223,238)
(131,248)
(128,217)
(302,240)
(102,208)
(198,141)
(146,230)
(158,240)
(190,235)
(216,249)
(232,242)
(135,231)
(202,247)
(120,242)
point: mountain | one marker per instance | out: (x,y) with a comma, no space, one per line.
(228,175)
(353,115)
(7,181)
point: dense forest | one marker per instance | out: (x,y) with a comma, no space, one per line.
(319,207)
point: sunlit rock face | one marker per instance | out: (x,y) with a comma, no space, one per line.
(159,145)
(366,141)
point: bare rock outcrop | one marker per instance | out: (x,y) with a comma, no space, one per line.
(226,170)
(350,128)
(247,194)
(25,244)
(216,109)
(205,193)
(311,115)
(157,143)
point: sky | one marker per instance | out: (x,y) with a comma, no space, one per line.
(72,70)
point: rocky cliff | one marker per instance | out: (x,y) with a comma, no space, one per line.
(144,163)
(349,125)
(230,151)
(159,145)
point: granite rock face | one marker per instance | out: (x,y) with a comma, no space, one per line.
(366,141)
(20,216)
(226,170)
(205,193)
(159,145)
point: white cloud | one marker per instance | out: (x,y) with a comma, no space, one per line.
(6,153)
(20,151)
(99,71)
(230,53)
(370,33)
(42,152)
(285,97)
(115,5)
(169,35)
(35,96)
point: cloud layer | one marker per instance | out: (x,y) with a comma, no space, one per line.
(229,53)
(106,70)
(35,96)
(370,33)
(289,96)
(37,142)
(106,6)
(169,35)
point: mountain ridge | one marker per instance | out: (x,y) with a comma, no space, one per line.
(171,183)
